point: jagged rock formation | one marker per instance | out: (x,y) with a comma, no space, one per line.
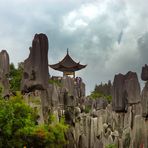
(144,74)
(139,134)
(93,123)
(36,75)
(119,100)
(132,88)
(36,66)
(65,91)
(144,94)
(126,90)
(144,100)
(4,72)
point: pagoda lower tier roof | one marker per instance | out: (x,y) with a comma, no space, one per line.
(67,65)
(67,69)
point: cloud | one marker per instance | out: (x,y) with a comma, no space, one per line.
(143,48)
(89,29)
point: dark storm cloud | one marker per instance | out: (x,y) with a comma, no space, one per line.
(89,29)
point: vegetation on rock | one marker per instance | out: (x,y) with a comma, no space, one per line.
(56,82)
(102,91)
(87,109)
(110,146)
(97,95)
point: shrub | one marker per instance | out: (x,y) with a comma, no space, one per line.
(87,109)
(15,77)
(95,95)
(18,127)
(110,146)
(17,120)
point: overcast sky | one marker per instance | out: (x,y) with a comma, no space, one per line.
(110,36)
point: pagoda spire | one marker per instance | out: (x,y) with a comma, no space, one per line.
(67,51)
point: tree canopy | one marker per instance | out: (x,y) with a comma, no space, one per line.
(15,77)
(18,127)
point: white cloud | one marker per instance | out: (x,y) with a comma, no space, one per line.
(90,29)
(83,15)
(88,11)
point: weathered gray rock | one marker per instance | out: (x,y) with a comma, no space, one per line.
(132,88)
(36,74)
(82,142)
(33,99)
(119,100)
(73,88)
(128,118)
(101,103)
(137,109)
(69,100)
(98,144)
(93,132)
(144,101)
(68,83)
(54,95)
(144,74)
(4,72)
(137,134)
(82,89)
(126,90)
(70,138)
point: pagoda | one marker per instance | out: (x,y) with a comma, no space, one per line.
(68,66)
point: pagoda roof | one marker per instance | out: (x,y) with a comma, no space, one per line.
(67,64)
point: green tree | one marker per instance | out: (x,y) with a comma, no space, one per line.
(18,127)
(15,77)
(17,120)
(97,95)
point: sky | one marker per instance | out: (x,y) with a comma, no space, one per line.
(110,36)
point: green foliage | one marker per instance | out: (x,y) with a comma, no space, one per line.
(110,146)
(18,126)
(102,91)
(109,98)
(97,95)
(51,135)
(16,121)
(126,143)
(56,82)
(87,109)
(15,77)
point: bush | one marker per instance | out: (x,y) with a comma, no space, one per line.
(15,77)
(18,127)
(110,146)
(87,109)
(17,120)
(95,95)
